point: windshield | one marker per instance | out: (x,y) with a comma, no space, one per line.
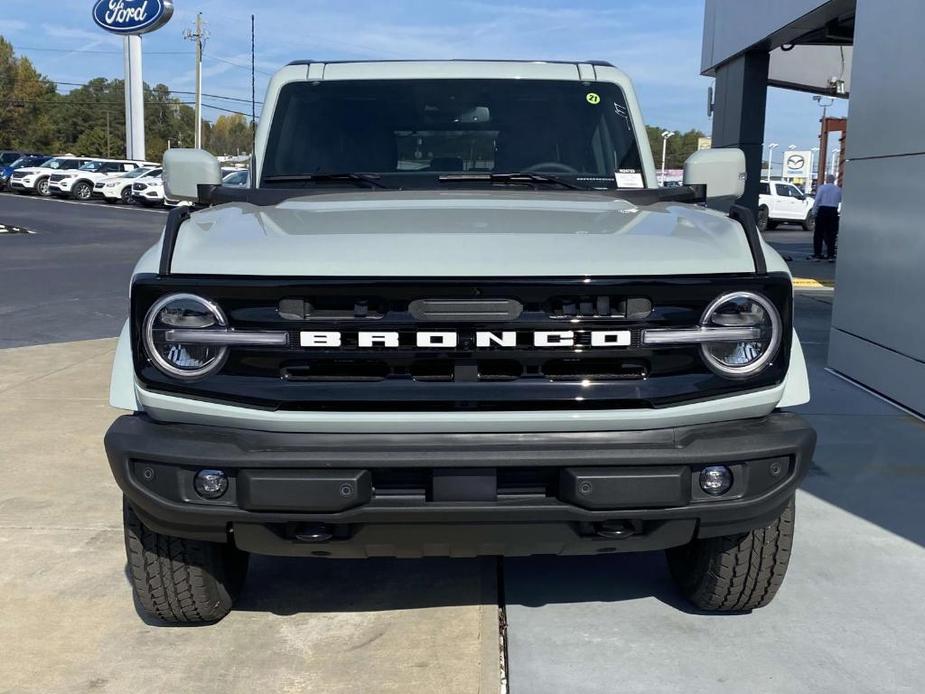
(136,173)
(412,132)
(92,166)
(62,164)
(23,162)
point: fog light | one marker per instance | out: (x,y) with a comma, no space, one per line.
(211,484)
(716,480)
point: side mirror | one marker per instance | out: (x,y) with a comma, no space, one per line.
(722,171)
(187,169)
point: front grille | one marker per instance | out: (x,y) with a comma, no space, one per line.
(138,187)
(57,178)
(516,371)
(18,174)
(98,186)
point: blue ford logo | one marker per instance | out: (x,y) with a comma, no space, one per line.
(132,16)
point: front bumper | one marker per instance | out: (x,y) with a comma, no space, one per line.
(458,494)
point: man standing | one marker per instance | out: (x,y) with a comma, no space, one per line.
(825,210)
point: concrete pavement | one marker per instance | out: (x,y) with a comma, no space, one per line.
(68,622)
(849,617)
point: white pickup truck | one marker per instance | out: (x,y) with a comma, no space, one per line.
(784,202)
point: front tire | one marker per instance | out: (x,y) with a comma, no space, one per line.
(41,187)
(182,581)
(126,196)
(763,216)
(82,191)
(735,573)
(810,222)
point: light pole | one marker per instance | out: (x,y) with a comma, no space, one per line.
(771,148)
(666,135)
(812,174)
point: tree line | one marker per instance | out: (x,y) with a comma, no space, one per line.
(679,148)
(90,119)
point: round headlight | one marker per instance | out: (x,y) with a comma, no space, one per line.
(183,312)
(737,357)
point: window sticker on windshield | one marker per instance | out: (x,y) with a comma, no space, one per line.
(593,99)
(629,178)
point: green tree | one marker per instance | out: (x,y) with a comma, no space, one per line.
(230,135)
(25,98)
(680,147)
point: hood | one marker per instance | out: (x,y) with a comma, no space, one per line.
(460,234)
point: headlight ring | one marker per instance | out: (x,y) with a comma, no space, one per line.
(742,359)
(188,362)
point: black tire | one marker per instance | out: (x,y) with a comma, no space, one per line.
(810,222)
(763,213)
(735,573)
(178,580)
(41,187)
(126,195)
(82,191)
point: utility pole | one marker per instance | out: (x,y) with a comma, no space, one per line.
(198,37)
(253,78)
(108,155)
(666,135)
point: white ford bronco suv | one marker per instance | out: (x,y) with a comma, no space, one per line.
(453,314)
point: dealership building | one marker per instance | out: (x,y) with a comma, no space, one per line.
(872,51)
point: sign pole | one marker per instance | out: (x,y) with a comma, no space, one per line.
(130,19)
(134,100)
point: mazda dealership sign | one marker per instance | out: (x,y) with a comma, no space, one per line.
(132,16)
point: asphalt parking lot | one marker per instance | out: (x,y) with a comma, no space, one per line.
(848,618)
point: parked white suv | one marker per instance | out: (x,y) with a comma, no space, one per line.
(78,183)
(783,202)
(148,190)
(35,179)
(116,188)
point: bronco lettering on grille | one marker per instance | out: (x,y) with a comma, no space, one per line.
(483,340)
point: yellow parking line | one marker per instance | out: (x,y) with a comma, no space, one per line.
(804,283)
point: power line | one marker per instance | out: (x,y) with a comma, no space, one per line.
(216,96)
(172,91)
(92,50)
(231,62)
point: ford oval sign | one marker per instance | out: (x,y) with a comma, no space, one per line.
(132,16)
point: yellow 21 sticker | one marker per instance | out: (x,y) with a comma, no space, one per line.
(593,99)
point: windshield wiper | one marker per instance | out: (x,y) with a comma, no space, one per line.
(363,179)
(517,178)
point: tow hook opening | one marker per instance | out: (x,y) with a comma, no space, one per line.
(314,533)
(617,529)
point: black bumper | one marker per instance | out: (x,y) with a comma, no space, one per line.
(458,494)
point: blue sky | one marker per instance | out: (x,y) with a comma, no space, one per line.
(657,43)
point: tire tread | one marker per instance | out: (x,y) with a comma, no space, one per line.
(179,580)
(736,573)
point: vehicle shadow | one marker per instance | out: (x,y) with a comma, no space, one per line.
(286,586)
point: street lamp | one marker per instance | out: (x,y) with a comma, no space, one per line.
(771,148)
(666,135)
(813,176)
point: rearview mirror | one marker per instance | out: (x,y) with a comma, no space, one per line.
(187,169)
(722,171)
